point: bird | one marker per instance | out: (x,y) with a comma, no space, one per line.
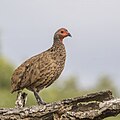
(41,70)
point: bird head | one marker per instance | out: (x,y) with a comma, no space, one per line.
(61,34)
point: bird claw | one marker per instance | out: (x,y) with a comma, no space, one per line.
(41,102)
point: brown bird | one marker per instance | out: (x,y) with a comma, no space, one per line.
(41,70)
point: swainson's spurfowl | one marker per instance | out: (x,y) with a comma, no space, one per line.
(41,70)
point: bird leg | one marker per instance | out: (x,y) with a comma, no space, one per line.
(21,99)
(39,100)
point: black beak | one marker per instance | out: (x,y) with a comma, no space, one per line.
(69,35)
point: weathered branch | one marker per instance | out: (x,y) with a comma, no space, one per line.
(95,106)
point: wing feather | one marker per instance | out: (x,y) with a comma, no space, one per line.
(32,70)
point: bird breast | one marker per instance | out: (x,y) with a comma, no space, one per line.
(56,60)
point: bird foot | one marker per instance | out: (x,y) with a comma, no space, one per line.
(41,103)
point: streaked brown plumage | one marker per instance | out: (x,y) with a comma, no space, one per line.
(43,69)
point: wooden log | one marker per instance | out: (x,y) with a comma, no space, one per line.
(95,106)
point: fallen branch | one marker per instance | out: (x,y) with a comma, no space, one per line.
(96,106)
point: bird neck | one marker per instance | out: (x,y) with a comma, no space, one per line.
(57,40)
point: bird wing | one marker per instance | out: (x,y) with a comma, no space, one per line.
(34,69)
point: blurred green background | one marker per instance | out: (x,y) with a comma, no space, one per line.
(62,88)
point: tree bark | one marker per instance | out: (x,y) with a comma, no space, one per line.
(95,106)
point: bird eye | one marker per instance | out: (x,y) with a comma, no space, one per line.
(62,31)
